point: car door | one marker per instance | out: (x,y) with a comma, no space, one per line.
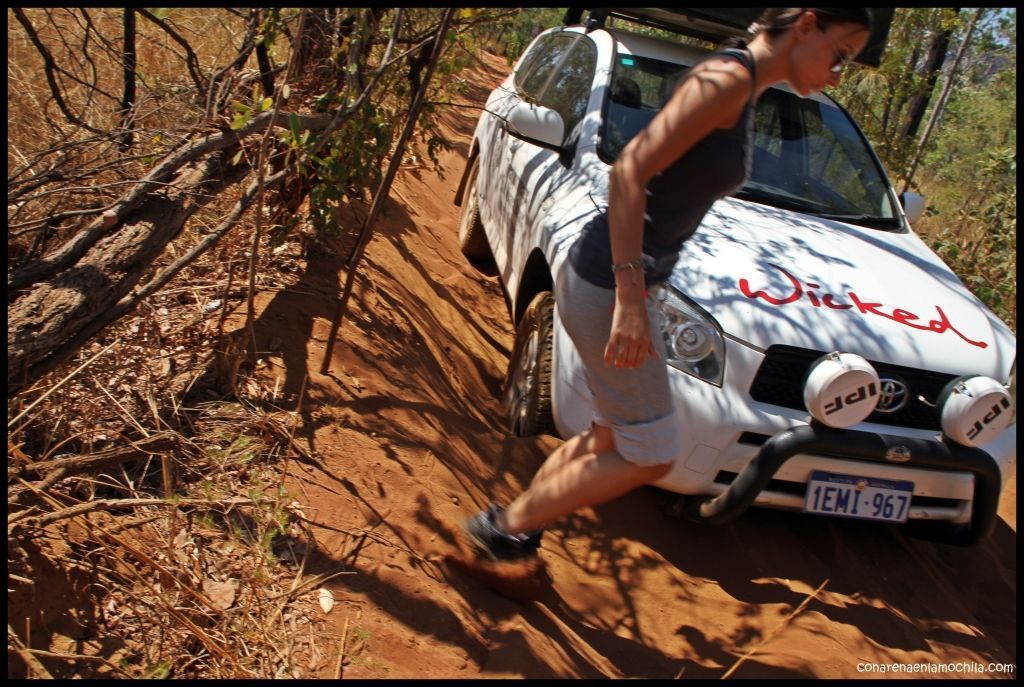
(494,171)
(563,82)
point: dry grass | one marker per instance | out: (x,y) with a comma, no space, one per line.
(192,571)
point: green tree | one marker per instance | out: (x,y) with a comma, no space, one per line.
(967,170)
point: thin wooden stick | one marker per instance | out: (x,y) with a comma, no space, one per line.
(81,657)
(113,504)
(60,384)
(341,652)
(31,662)
(776,629)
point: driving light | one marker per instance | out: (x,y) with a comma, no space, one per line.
(693,342)
(841,389)
(974,410)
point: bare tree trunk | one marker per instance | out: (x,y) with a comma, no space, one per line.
(941,105)
(128,100)
(932,67)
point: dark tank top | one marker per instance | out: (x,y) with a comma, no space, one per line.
(677,199)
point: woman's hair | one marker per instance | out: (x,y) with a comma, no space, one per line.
(776,20)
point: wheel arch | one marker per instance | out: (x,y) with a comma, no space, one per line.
(474,152)
(536,278)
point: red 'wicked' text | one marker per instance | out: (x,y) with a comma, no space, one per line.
(939,325)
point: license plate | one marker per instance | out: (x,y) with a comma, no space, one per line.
(866,498)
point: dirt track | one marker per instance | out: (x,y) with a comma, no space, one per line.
(408,439)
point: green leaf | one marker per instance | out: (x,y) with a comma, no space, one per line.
(238,156)
(240,120)
(293,122)
(266,104)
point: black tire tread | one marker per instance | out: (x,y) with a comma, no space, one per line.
(539,314)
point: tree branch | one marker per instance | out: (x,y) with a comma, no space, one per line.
(49,66)
(191,60)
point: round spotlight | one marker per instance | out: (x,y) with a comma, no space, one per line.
(974,410)
(841,389)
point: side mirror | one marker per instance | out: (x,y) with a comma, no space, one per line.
(913,205)
(536,124)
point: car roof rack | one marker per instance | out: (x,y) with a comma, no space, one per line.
(716,24)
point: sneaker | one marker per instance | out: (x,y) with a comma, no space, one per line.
(483,530)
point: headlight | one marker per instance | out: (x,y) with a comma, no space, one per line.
(693,341)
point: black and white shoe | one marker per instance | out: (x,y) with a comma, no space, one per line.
(484,531)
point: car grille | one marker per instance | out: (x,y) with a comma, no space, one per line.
(780,381)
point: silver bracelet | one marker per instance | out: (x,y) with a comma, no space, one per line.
(637,264)
(633,265)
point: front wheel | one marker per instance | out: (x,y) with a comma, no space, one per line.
(528,383)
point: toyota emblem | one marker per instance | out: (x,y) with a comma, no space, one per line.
(893,397)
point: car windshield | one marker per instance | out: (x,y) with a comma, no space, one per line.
(808,156)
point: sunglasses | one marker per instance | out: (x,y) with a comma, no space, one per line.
(840,62)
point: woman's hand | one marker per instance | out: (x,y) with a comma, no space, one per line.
(629,343)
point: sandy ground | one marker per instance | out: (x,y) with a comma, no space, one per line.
(407,439)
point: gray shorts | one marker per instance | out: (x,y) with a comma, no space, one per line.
(635,403)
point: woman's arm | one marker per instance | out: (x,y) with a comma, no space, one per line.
(712,97)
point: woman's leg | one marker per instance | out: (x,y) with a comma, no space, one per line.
(577,478)
(597,439)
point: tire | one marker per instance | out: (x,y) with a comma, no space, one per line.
(528,382)
(472,239)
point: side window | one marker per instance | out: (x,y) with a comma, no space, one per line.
(548,58)
(639,88)
(531,58)
(569,88)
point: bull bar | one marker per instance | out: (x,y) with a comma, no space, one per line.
(887,449)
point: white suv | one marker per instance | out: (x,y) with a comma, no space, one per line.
(903,423)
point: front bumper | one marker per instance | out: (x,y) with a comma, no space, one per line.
(872,447)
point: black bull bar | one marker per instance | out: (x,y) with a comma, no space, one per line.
(819,439)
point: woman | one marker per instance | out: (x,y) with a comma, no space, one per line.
(695,151)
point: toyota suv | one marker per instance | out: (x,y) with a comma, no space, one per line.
(823,358)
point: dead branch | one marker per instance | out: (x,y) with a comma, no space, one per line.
(73,658)
(59,468)
(31,662)
(191,60)
(49,67)
(116,504)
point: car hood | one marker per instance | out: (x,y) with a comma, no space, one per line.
(771,276)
